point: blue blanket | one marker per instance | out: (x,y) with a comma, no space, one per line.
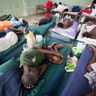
(78,85)
(11,85)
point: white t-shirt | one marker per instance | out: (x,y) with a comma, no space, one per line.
(60,8)
(7,41)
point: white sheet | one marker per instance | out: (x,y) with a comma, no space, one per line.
(69,32)
(84,39)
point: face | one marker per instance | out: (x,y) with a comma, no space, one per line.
(67,23)
(35,72)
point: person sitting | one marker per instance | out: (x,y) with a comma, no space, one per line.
(66,23)
(10,38)
(90,10)
(44,20)
(91,74)
(33,62)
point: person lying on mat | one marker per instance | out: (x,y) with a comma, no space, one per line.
(10,38)
(44,20)
(91,34)
(14,22)
(2,18)
(65,24)
(33,62)
(91,74)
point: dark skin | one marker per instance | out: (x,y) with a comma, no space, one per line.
(89,68)
(92,5)
(4,17)
(17,31)
(91,34)
(37,72)
(89,8)
(68,23)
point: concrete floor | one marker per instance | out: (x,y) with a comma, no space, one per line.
(32,17)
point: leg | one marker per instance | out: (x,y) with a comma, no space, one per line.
(93,60)
(51,46)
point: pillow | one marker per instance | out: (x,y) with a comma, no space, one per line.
(8,65)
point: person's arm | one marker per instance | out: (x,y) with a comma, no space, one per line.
(43,68)
(15,30)
(4,18)
(49,52)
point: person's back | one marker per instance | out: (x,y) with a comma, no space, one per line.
(31,57)
(10,39)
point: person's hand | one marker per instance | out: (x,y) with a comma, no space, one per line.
(59,54)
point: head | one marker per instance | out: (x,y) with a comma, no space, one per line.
(93,2)
(60,3)
(67,23)
(86,34)
(60,25)
(30,77)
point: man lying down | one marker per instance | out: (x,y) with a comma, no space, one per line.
(10,39)
(66,27)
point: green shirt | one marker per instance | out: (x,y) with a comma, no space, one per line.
(32,58)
